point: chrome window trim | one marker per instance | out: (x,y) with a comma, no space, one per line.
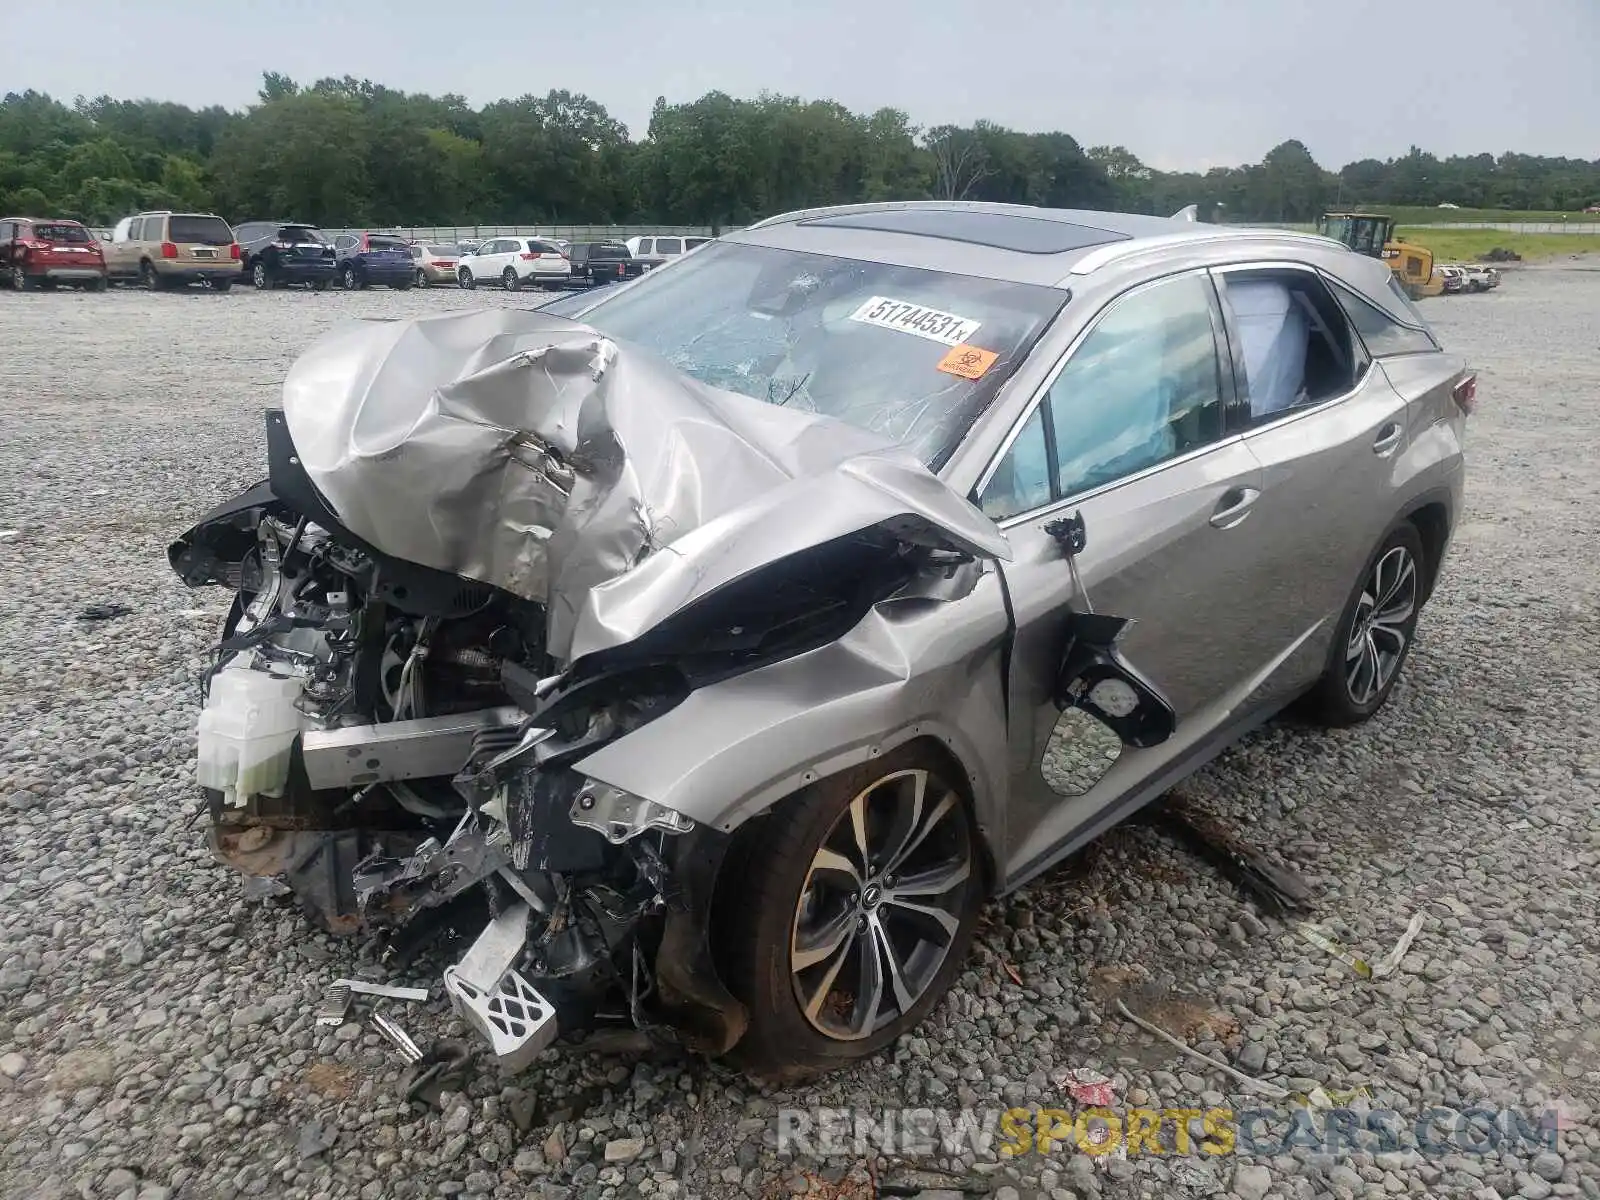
(1028,409)
(1033,514)
(1103,256)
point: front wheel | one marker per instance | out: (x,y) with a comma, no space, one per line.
(848,913)
(509,280)
(465,279)
(1375,633)
(351,278)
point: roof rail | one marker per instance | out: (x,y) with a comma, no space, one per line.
(1102,256)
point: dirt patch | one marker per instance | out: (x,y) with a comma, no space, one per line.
(331,1081)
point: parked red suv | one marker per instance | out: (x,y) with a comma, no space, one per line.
(35,253)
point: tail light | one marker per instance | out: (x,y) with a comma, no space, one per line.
(1465,394)
(233,251)
(168,250)
(527,257)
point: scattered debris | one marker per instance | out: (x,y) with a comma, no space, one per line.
(408,1048)
(1261,1088)
(104,612)
(1391,961)
(335,1004)
(443,1068)
(914,1181)
(7,534)
(363,988)
(262,888)
(1323,942)
(314,1139)
(1277,889)
(1087,1086)
(1016,975)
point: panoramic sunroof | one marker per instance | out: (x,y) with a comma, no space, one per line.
(1003,231)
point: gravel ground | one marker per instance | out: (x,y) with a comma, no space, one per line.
(156,1036)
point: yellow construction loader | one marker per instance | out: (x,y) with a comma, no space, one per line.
(1373,235)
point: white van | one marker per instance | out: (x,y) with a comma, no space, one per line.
(663,246)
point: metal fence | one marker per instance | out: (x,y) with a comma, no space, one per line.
(1576,227)
(450,234)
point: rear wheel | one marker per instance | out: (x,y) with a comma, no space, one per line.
(1374,636)
(509,280)
(149,278)
(850,913)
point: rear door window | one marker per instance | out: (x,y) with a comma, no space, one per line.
(669,245)
(645,245)
(1293,345)
(208,231)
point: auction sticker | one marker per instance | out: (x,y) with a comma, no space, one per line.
(948,328)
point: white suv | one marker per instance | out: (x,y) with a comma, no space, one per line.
(515,262)
(663,247)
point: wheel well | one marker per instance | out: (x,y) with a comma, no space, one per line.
(1432,523)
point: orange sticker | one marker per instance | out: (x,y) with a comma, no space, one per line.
(969,362)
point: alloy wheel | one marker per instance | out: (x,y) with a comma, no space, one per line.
(258,276)
(881,905)
(509,280)
(1381,627)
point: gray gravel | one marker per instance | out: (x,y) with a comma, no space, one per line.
(156,1037)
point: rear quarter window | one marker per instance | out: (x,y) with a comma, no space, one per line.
(1382,334)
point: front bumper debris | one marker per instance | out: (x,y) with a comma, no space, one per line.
(487,993)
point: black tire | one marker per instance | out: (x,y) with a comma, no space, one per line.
(21,281)
(321,285)
(149,279)
(351,279)
(771,885)
(465,279)
(1370,649)
(261,276)
(422,278)
(222,285)
(509,280)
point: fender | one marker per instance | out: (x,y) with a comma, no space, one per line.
(735,748)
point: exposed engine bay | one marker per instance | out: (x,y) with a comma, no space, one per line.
(398,746)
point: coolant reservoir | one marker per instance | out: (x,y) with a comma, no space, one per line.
(247,732)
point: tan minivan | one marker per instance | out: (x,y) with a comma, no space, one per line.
(168,249)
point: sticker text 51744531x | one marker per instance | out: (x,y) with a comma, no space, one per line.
(949,328)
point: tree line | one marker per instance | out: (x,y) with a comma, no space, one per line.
(351,153)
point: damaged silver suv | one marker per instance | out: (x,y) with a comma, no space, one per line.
(709,648)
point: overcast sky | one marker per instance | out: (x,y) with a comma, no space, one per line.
(1181,83)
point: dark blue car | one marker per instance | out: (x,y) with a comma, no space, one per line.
(274,254)
(374,258)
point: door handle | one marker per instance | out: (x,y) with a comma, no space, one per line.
(1234,507)
(1388,439)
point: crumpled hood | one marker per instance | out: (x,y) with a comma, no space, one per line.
(533,453)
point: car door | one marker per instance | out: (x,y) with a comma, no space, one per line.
(1130,432)
(1327,429)
(8,237)
(118,251)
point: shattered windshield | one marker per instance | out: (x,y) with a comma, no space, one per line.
(912,354)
